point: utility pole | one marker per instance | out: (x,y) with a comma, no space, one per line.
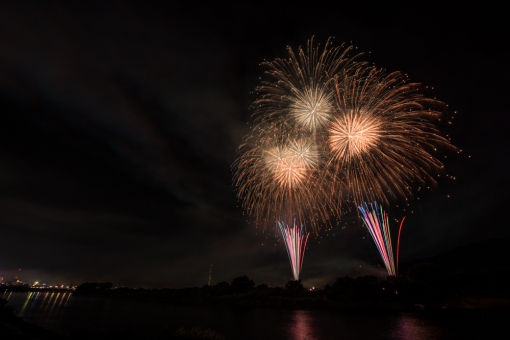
(210,273)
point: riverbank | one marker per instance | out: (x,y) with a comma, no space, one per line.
(401,293)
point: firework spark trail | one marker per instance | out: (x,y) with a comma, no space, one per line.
(295,242)
(398,239)
(377,222)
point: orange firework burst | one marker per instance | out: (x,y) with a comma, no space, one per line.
(382,137)
(290,164)
(278,178)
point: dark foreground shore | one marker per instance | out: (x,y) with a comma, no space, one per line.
(12,327)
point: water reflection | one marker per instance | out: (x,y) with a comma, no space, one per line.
(27,300)
(70,314)
(32,305)
(409,327)
(45,307)
(301,326)
(54,306)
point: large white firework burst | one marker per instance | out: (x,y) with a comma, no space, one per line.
(299,87)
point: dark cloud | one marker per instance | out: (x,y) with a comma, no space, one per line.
(157,100)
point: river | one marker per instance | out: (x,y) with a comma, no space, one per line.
(73,315)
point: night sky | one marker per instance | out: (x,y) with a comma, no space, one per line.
(120,120)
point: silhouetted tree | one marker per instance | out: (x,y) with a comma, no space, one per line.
(86,287)
(295,286)
(426,274)
(429,283)
(105,285)
(242,283)
(89,287)
(367,280)
(343,282)
(223,284)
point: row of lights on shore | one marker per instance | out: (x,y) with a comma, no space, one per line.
(35,285)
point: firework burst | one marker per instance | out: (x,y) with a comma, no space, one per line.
(299,91)
(289,165)
(278,178)
(295,239)
(328,128)
(382,137)
(279,168)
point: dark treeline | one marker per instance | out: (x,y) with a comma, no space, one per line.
(425,284)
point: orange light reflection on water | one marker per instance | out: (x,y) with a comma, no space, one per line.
(301,327)
(412,328)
